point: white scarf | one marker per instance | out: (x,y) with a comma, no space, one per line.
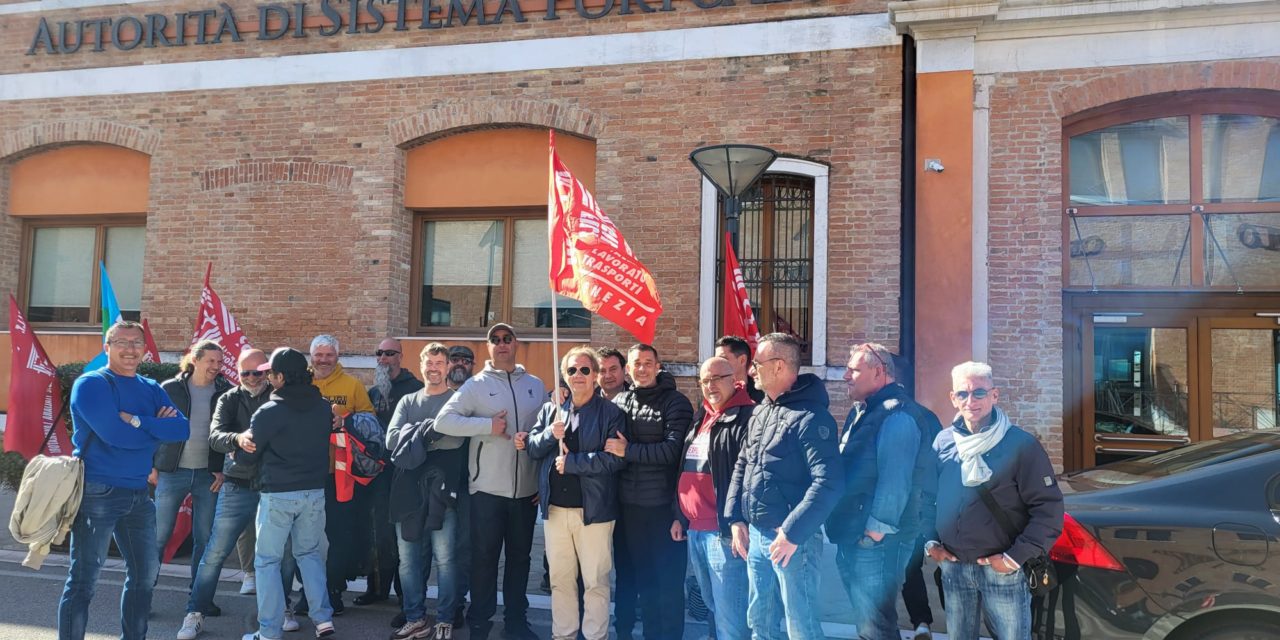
(973,469)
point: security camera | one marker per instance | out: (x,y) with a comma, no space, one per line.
(934,165)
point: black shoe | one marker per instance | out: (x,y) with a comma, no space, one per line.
(335,601)
(212,611)
(369,598)
(398,621)
(518,630)
(480,632)
(459,619)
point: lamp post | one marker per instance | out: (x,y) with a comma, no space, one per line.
(732,168)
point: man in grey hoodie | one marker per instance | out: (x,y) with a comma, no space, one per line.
(490,408)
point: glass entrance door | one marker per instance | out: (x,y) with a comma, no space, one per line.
(1243,374)
(1140,397)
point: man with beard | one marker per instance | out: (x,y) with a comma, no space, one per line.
(391,382)
(461,363)
(650,560)
(426,521)
(346,394)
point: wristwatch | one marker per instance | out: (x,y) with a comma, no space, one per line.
(136,422)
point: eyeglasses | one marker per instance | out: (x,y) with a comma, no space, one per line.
(706,382)
(386,352)
(573,371)
(255,373)
(760,363)
(505,338)
(461,360)
(977,394)
(128,344)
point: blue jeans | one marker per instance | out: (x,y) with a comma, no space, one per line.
(297,517)
(129,516)
(416,559)
(974,590)
(722,577)
(237,507)
(872,573)
(787,595)
(172,488)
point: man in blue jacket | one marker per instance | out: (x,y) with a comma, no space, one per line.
(981,563)
(785,484)
(120,419)
(890,477)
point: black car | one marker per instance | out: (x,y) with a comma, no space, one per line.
(1179,545)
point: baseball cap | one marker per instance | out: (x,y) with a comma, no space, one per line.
(285,360)
(460,351)
(501,326)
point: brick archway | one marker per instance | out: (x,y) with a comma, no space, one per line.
(450,115)
(79,131)
(1140,81)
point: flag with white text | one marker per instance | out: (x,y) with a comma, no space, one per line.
(591,261)
(35,395)
(215,322)
(739,318)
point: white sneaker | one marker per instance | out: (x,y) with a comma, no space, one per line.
(324,629)
(191,626)
(249,586)
(923,633)
(290,622)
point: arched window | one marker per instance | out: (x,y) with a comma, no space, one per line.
(1174,192)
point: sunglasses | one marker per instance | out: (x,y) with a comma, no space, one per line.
(977,394)
(866,349)
(573,371)
(386,352)
(460,360)
(505,338)
(255,373)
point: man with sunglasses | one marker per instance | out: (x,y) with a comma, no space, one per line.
(490,408)
(462,362)
(982,452)
(784,486)
(889,485)
(238,498)
(391,382)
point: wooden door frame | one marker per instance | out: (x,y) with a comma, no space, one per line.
(1202,308)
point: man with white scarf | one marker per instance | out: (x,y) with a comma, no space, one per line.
(981,563)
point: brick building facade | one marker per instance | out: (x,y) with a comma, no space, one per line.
(319,173)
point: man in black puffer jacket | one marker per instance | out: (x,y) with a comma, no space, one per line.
(787,481)
(648,558)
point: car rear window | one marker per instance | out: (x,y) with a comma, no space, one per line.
(1187,458)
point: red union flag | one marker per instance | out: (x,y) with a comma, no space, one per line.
(592,262)
(35,395)
(153,352)
(214,322)
(739,319)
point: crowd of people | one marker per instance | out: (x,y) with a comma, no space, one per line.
(450,471)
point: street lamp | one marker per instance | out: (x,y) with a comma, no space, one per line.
(732,168)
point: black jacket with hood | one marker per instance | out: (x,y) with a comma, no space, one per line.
(292,437)
(659,418)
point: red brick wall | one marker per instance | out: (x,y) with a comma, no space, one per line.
(293,259)
(1025,257)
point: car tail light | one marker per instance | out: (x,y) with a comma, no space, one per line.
(1077,546)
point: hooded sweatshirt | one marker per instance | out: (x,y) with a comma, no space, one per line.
(344,391)
(660,417)
(494,466)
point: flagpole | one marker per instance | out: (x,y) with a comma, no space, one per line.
(551,203)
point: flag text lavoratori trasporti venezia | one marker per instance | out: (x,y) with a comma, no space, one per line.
(346,17)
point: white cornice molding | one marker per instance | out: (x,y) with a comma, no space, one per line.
(1000,19)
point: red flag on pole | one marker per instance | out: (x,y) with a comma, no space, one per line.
(35,395)
(214,322)
(739,319)
(153,352)
(592,262)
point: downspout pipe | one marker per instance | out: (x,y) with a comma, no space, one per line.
(907,240)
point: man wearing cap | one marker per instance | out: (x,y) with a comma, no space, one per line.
(490,408)
(290,436)
(238,498)
(462,362)
(346,395)
(376,538)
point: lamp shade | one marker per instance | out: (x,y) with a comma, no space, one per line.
(732,168)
